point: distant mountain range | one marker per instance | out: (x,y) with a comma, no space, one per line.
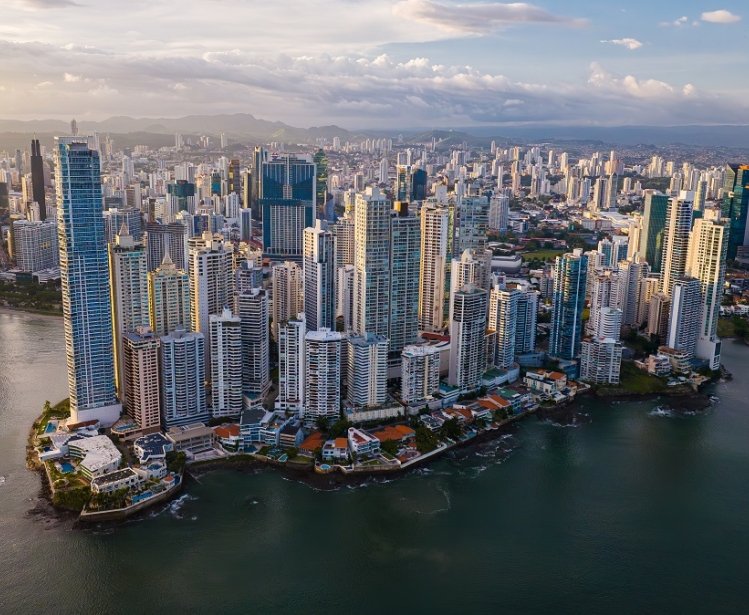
(245,127)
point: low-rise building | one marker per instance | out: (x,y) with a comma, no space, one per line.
(360,414)
(395,433)
(250,424)
(362,444)
(229,436)
(193,438)
(98,455)
(335,450)
(126,478)
(291,435)
(545,382)
(152,446)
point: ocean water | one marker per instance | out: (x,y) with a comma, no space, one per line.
(631,508)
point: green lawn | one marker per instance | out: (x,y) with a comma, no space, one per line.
(541,255)
(635,381)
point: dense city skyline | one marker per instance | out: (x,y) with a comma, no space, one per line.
(377,63)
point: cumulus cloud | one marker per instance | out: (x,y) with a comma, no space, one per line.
(351,90)
(629,43)
(479,17)
(676,23)
(721,16)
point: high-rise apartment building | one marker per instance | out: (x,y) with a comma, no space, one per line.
(35,245)
(87,316)
(169,298)
(288,296)
(167,238)
(503,320)
(287,199)
(568,302)
(420,373)
(653,229)
(685,316)
(706,262)
(142,395)
(128,281)
(322,366)
(467,337)
(319,269)
(405,262)
(183,395)
(525,331)
(367,370)
(472,224)
(434,265)
(226,364)
(735,206)
(676,240)
(252,308)
(291,366)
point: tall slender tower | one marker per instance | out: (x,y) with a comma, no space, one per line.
(291,355)
(322,366)
(676,241)
(319,277)
(468,338)
(435,228)
(706,261)
(736,206)
(87,316)
(653,229)
(405,259)
(226,364)
(568,302)
(169,298)
(252,308)
(37,178)
(128,281)
(503,320)
(288,298)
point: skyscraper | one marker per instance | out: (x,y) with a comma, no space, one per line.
(142,398)
(685,317)
(288,296)
(405,260)
(322,386)
(420,373)
(367,370)
(252,308)
(706,261)
(568,302)
(37,178)
(35,245)
(472,224)
(128,281)
(183,396)
(291,368)
(163,238)
(372,263)
(169,298)
(287,199)
(653,229)
(87,316)
(467,337)
(319,277)
(525,332)
(434,264)
(676,240)
(226,364)
(503,320)
(736,206)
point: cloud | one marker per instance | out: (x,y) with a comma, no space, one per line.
(629,43)
(720,16)
(478,18)
(353,90)
(44,4)
(676,23)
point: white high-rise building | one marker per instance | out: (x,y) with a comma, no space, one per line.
(183,397)
(600,360)
(288,296)
(676,240)
(169,298)
(503,320)
(372,263)
(405,261)
(435,247)
(467,337)
(210,259)
(319,277)
(706,261)
(685,316)
(35,245)
(471,268)
(226,364)
(291,365)
(631,274)
(252,308)
(367,370)
(471,225)
(604,293)
(323,365)
(420,373)
(345,296)
(128,275)
(525,333)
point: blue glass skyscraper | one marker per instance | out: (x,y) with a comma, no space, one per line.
(84,272)
(570,275)
(288,204)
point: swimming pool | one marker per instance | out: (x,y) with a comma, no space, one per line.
(50,427)
(66,467)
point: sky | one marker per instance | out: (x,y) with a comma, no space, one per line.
(379,63)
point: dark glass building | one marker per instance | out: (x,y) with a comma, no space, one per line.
(736,206)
